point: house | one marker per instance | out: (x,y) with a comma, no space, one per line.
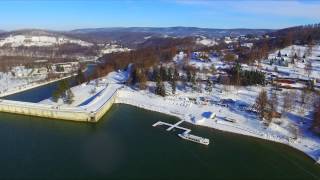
(40,71)
(201,56)
(248,45)
(65,67)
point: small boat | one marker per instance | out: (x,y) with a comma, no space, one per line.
(194,138)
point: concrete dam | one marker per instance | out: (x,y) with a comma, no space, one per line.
(91,112)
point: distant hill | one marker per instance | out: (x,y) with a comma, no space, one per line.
(30,32)
(126,38)
(178,31)
(132,36)
(81,42)
(299,35)
(136,34)
(44,44)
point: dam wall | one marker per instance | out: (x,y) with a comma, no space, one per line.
(89,113)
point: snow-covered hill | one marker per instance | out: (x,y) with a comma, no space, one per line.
(40,40)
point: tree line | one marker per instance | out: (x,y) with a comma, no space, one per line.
(240,77)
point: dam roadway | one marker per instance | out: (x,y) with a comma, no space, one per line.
(90,112)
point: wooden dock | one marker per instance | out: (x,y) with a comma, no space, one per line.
(172,126)
(186,134)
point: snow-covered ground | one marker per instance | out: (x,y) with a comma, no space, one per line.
(201,64)
(297,69)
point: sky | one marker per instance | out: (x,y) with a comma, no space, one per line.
(75,14)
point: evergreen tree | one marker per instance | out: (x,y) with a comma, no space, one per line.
(193,81)
(133,77)
(160,89)
(55,96)
(176,75)
(189,75)
(170,74)
(155,73)
(69,96)
(61,90)
(209,85)
(279,54)
(173,80)
(80,78)
(163,73)
(173,86)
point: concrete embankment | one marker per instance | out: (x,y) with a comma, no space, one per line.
(89,113)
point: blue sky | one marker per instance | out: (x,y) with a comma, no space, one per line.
(72,14)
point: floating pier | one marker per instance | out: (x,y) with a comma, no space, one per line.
(186,134)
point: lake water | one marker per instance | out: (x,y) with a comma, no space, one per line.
(124,145)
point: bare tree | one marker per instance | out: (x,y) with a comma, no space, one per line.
(225,81)
(308,67)
(304,100)
(299,54)
(316,117)
(287,102)
(261,103)
(292,54)
(309,50)
(274,101)
(229,57)
(294,129)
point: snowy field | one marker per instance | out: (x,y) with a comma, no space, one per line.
(298,69)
